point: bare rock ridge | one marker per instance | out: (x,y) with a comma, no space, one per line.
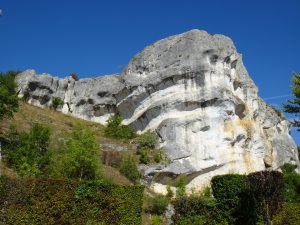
(193,90)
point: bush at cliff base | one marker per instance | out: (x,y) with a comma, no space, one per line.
(289,215)
(49,201)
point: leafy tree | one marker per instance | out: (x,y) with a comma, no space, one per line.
(8,97)
(293,105)
(28,152)
(80,157)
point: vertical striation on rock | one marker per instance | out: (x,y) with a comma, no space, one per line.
(193,90)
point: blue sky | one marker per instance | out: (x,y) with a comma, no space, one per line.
(93,38)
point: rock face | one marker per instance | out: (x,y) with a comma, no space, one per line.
(193,90)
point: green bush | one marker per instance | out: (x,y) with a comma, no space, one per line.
(115,129)
(144,157)
(146,140)
(56,102)
(181,186)
(130,170)
(28,153)
(197,210)
(9,103)
(80,156)
(158,156)
(291,184)
(157,220)
(289,215)
(228,190)
(46,202)
(156,205)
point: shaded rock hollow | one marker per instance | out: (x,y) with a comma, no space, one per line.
(194,92)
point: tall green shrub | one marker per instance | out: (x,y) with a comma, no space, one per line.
(130,170)
(146,140)
(115,129)
(228,190)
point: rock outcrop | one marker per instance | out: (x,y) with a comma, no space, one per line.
(194,92)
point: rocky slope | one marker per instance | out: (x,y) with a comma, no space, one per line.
(193,90)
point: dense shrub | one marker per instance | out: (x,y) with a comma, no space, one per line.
(157,220)
(158,156)
(156,205)
(144,156)
(69,202)
(28,153)
(130,170)
(228,191)
(291,184)
(289,215)
(56,102)
(197,210)
(115,129)
(181,186)
(146,140)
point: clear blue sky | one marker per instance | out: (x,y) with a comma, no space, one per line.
(93,38)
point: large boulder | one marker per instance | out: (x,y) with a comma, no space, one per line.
(194,92)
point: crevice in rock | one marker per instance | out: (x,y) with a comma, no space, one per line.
(237,84)
(239,110)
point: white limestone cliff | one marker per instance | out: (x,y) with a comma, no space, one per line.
(194,92)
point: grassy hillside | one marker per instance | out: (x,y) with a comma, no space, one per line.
(61,127)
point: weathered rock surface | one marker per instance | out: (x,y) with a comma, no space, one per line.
(193,90)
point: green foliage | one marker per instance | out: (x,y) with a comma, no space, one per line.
(157,220)
(115,129)
(158,156)
(293,105)
(146,140)
(181,186)
(289,215)
(130,170)
(228,190)
(197,210)
(291,184)
(144,157)
(8,97)
(28,152)
(156,205)
(79,158)
(67,202)
(56,102)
